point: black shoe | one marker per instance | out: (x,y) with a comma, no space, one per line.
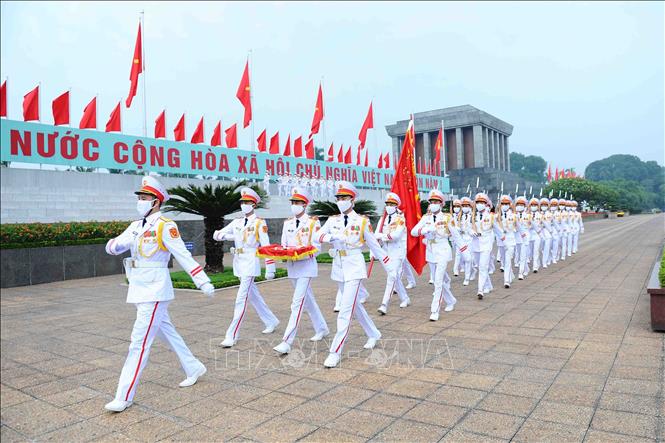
(535,271)
(480,296)
(506,286)
(503,270)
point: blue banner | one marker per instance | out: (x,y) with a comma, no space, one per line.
(29,142)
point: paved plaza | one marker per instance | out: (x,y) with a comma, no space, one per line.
(566,355)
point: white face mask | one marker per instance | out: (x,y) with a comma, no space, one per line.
(552,208)
(533,208)
(480,207)
(143,207)
(504,208)
(297,209)
(466,209)
(344,205)
(434,207)
(519,208)
(456,209)
(246,208)
(390,210)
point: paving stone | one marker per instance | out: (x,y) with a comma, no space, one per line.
(491,423)
(410,431)
(625,423)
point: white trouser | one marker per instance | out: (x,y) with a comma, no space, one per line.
(248,292)
(564,245)
(555,247)
(441,287)
(576,236)
(524,257)
(482,261)
(303,298)
(350,305)
(502,255)
(491,264)
(407,272)
(546,247)
(152,320)
(535,252)
(363,293)
(431,271)
(570,243)
(507,257)
(463,258)
(394,283)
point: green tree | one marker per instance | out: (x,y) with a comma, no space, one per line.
(318,154)
(529,167)
(213,203)
(597,195)
(324,209)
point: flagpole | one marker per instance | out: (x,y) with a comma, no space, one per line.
(323,128)
(145,111)
(376,145)
(443,147)
(251,101)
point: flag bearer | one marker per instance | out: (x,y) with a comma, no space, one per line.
(302,230)
(436,229)
(391,233)
(248,233)
(546,233)
(348,233)
(536,233)
(483,241)
(506,230)
(151,241)
(523,227)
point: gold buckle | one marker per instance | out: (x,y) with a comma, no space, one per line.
(239,250)
(342,253)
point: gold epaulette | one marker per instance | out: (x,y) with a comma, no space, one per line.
(165,219)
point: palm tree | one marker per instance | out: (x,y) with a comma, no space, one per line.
(324,209)
(213,203)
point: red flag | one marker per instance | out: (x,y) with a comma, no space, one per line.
(331,153)
(262,141)
(231,136)
(556,173)
(89,118)
(438,146)
(244,95)
(309,149)
(386,160)
(3,99)
(549,173)
(340,154)
(114,125)
(160,125)
(216,139)
(380,165)
(274,143)
(137,68)
(287,147)
(198,136)
(405,185)
(369,123)
(60,106)
(179,130)
(358,156)
(297,147)
(31,105)
(366,159)
(318,113)
(347,157)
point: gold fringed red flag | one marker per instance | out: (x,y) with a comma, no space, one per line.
(279,252)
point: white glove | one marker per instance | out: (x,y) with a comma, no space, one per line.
(380,236)
(270,275)
(208,289)
(217,235)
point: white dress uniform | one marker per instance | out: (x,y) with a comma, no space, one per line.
(578,227)
(436,229)
(247,233)
(151,242)
(302,230)
(391,233)
(349,233)
(556,230)
(524,219)
(535,234)
(463,221)
(546,231)
(506,230)
(266,183)
(565,228)
(483,242)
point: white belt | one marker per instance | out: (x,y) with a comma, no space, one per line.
(133,263)
(344,252)
(237,251)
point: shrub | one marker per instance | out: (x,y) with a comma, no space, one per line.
(182,280)
(29,235)
(661,273)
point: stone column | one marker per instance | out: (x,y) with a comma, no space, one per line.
(459,147)
(495,141)
(427,148)
(490,148)
(396,148)
(502,158)
(478,147)
(506,153)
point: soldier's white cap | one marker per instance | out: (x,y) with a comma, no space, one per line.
(466,201)
(345,188)
(457,202)
(391,197)
(533,201)
(435,194)
(151,186)
(521,200)
(544,201)
(482,197)
(301,195)
(249,195)
(554,201)
(506,199)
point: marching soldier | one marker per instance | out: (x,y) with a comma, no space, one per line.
(151,241)
(348,233)
(546,233)
(523,228)
(536,233)
(578,226)
(556,230)
(248,233)
(483,242)
(463,221)
(436,228)
(565,228)
(506,230)
(391,233)
(302,230)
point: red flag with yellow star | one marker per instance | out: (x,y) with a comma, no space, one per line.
(137,68)
(244,96)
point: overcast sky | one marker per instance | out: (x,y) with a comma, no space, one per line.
(578,81)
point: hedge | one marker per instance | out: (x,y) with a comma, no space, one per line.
(33,235)
(182,280)
(661,272)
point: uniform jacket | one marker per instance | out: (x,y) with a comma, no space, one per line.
(305,234)
(436,231)
(393,235)
(247,237)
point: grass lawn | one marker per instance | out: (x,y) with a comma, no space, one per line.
(661,273)
(182,280)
